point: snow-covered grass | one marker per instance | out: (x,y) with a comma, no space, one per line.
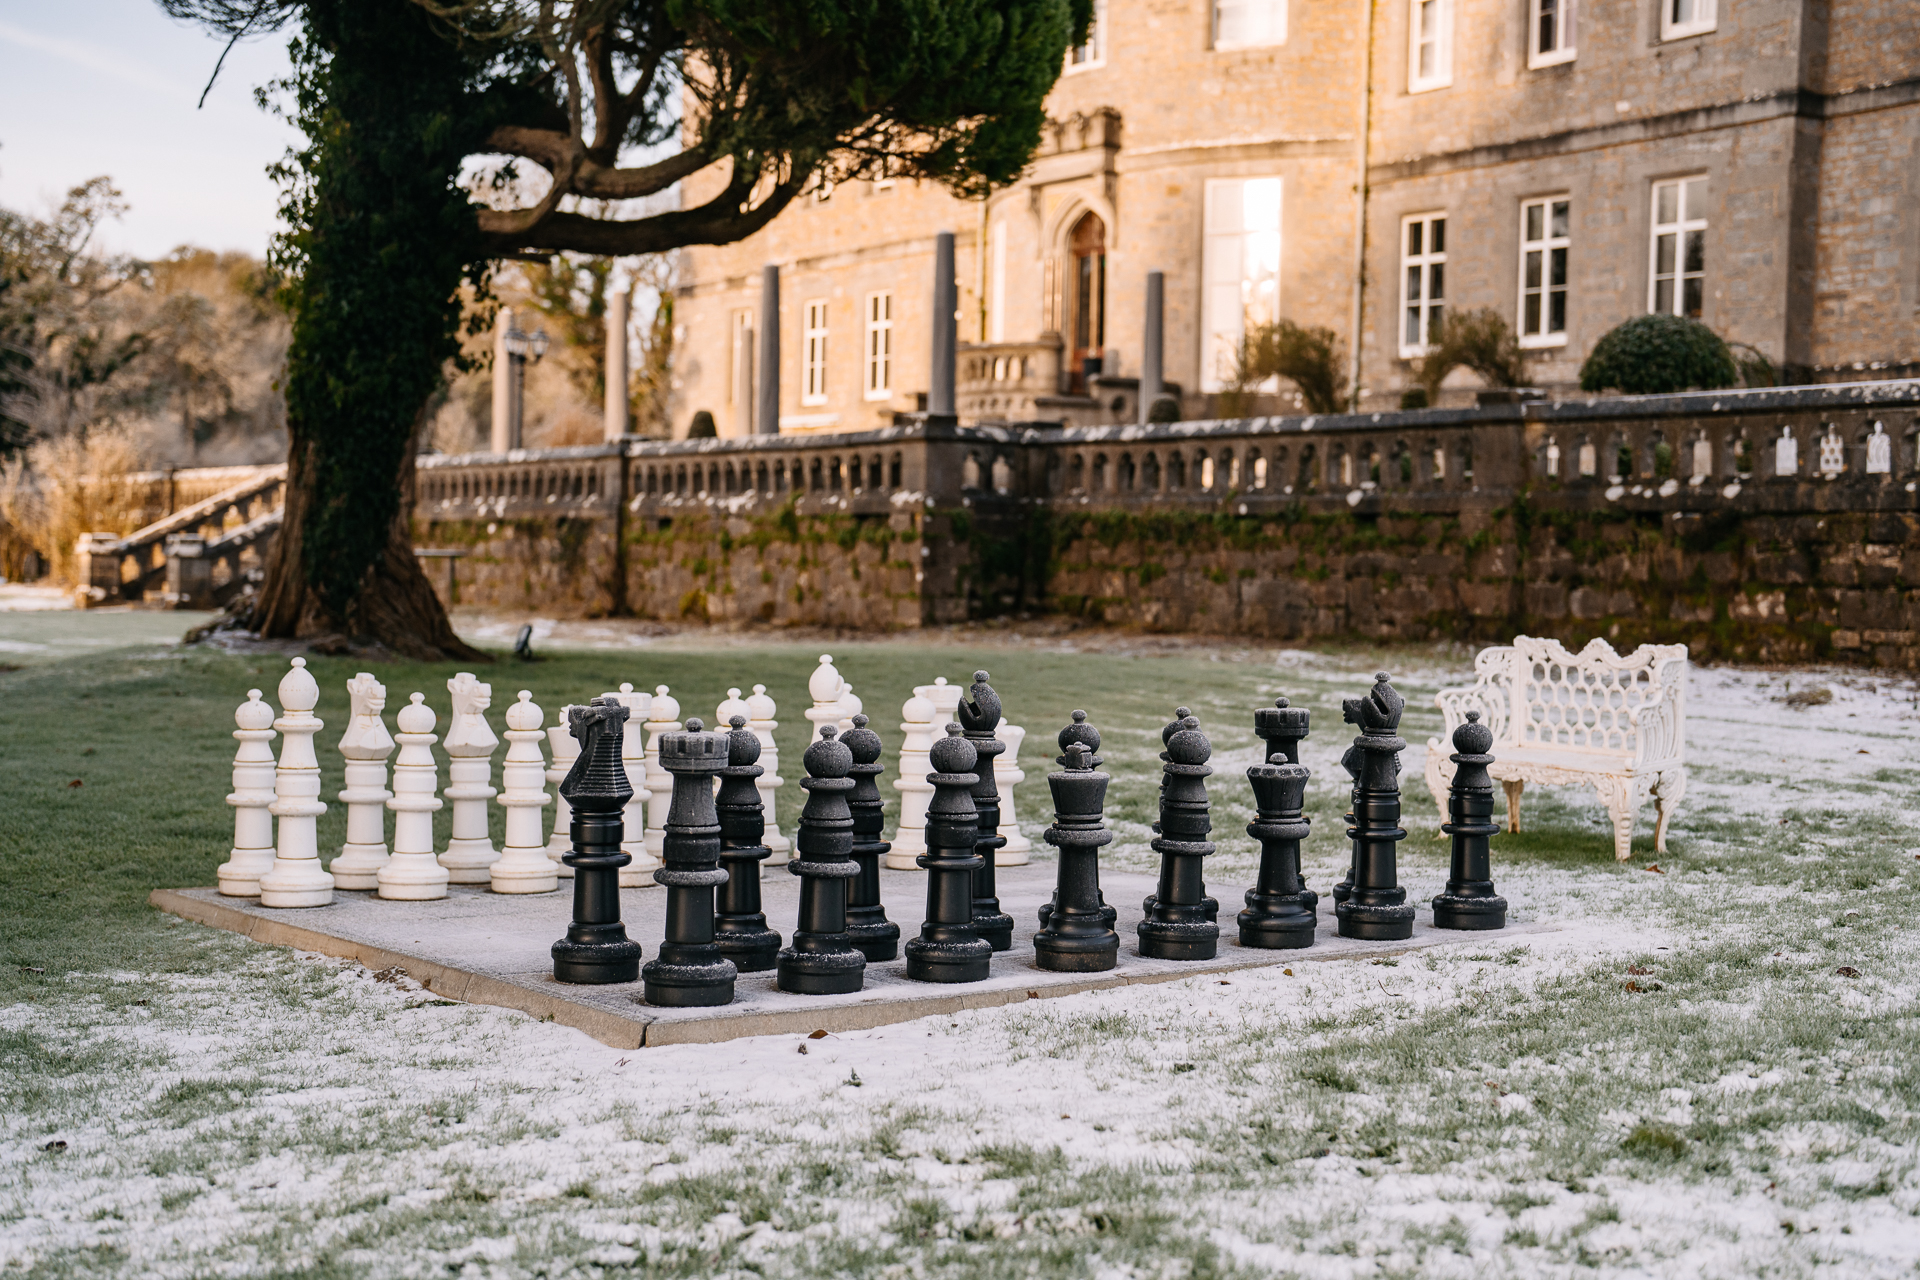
(1681,1079)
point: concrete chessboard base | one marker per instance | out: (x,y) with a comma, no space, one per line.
(488,948)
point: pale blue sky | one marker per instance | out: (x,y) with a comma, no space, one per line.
(92,87)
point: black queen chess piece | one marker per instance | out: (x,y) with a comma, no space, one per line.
(877,937)
(1469,901)
(948,949)
(979,717)
(740,927)
(596,948)
(1080,732)
(1377,910)
(690,972)
(821,960)
(1076,937)
(1178,927)
(1279,913)
(1210,906)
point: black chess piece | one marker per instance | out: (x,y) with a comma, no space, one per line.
(1178,928)
(1469,901)
(596,948)
(1278,914)
(1280,728)
(979,717)
(1079,731)
(877,937)
(740,927)
(1350,761)
(1209,905)
(822,960)
(1378,910)
(948,949)
(689,971)
(1077,938)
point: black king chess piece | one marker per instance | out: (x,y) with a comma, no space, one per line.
(1076,937)
(1079,731)
(740,925)
(1182,719)
(948,949)
(596,948)
(877,937)
(822,960)
(690,971)
(1279,913)
(1470,902)
(1178,927)
(1378,909)
(979,717)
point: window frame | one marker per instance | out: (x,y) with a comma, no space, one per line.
(1279,37)
(1424,262)
(1095,47)
(876,311)
(1567,31)
(1706,18)
(1211,240)
(1545,245)
(1679,229)
(1442,42)
(814,328)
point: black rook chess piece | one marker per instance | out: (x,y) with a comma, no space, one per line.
(740,925)
(596,948)
(690,971)
(1279,914)
(1281,727)
(1084,734)
(1469,902)
(948,949)
(1076,937)
(877,937)
(1177,927)
(1378,910)
(979,717)
(822,960)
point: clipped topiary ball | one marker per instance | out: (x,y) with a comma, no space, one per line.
(1164,409)
(1657,354)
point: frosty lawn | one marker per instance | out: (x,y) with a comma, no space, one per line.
(1679,1082)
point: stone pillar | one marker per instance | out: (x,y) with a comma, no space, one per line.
(766,404)
(945,328)
(189,572)
(619,313)
(1153,343)
(504,405)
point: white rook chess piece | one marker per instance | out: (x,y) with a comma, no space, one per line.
(566,749)
(366,745)
(296,879)
(469,746)
(663,716)
(413,874)
(1018,850)
(524,866)
(824,686)
(946,702)
(850,706)
(910,839)
(633,754)
(252,853)
(760,718)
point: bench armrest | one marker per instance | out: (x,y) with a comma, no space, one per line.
(1486,697)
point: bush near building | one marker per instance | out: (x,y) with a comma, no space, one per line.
(1657,354)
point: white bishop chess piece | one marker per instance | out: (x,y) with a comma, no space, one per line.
(366,745)
(566,749)
(917,728)
(850,706)
(761,711)
(824,686)
(946,699)
(413,874)
(1018,850)
(633,754)
(252,853)
(296,879)
(469,855)
(524,866)
(663,717)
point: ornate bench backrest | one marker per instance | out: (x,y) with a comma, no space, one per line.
(1587,701)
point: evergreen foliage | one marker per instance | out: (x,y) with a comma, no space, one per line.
(1657,354)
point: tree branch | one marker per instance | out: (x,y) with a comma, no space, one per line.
(721,220)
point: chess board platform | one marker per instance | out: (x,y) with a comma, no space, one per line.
(487,948)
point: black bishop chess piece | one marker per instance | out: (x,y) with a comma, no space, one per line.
(1351,761)
(1077,938)
(877,937)
(1181,715)
(689,971)
(1469,901)
(1279,913)
(979,717)
(1378,909)
(948,949)
(596,948)
(822,960)
(740,927)
(1084,734)
(1178,926)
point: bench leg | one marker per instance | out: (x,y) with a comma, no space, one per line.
(1514,788)
(1617,795)
(1668,788)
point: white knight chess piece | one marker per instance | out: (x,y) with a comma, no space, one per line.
(365,745)
(524,866)
(469,855)
(296,879)
(252,853)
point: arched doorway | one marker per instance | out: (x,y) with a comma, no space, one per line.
(1087,244)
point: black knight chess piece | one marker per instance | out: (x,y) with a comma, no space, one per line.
(1178,927)
(596,948)
(690,971)
(1079,731)
(877,937)
(1469,901)
(740,927)
(1077,938)
(1279,914)
(979,717)
(822,960)
(1378,909)
(948,949)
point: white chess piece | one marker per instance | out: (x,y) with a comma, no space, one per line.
(850,706)
(946,700)
(910,838)
(663,716)
(1018,850)
(413,874)
(633,754)
(252,853)
(566,749)
(469,746)
(296,879)
(366,745)
(524,866)
(824,686)
(760,718)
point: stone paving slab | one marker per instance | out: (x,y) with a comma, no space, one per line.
(488,948)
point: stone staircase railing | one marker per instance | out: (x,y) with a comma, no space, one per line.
(201,557)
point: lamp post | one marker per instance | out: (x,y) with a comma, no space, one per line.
(514,348)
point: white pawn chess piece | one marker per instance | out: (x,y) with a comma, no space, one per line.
(566,749)
(633,754)
(296,879)
(524,866)
(946,700)
(366,745)
(760,718)
(663,717)
(850,706)
(469,745)
(413,874)
(252,853)
(1018,850)
(824,686)
(917,727)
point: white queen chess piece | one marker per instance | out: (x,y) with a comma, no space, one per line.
(910,839)
(566,749)
(663,717)
(524,866)
(761,711)
(633,754)
(1018,850)
(252,853)
(469,745)
(413,874)
(296,879)
(366,745)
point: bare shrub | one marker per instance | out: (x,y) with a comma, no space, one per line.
(1306,356)
(58,489)
(1479,340)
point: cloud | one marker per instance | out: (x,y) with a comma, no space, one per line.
(104,61)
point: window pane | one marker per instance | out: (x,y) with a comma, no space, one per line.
(1695,204)
(1682,11)
(1531,325)
(1690,305)
(1413,238)
(1666,198)
(1413,284)
(1533,269)
(1557,271)
(1436,282)
(1559,218)
(1433,323)
(1439,236)
(1534,220)
(1663,254)
(1696,251)
(1413,327)
(1663,296)
(1557,312)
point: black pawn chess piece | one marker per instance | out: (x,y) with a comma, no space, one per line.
(979,717)
(1077,938)
(1279,914)
(1350,761)
(1181,715)
(1469,901)
(948,949)
(596,948)
(689,971)
(822,960)
(1079,731)
(877,937)
(740,924)
(1378,910)
(1281,727)
(1178,927)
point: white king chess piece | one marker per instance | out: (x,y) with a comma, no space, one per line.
(566,749)
(633,754)
(366,745)
(524,866)
(910,839)
(413,874)
(760,718)
(663,717)
(1018,850)
(296,879)
(469,855)
(824,686)
(252,854)
(946,700)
